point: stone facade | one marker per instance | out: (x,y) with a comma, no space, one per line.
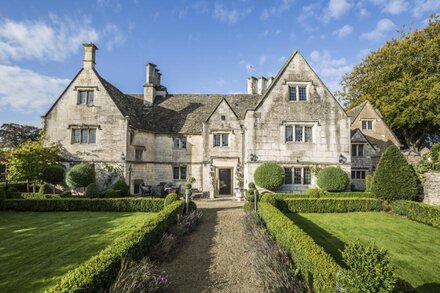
(218,139)
(431,188)
(369,138)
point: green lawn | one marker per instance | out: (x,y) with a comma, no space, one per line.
(37,248)
(414,248)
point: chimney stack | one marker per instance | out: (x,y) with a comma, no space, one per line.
(269,81)
(152,87)
(252,85)
(262,84)
(89,56)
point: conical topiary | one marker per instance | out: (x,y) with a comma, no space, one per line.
(394,178)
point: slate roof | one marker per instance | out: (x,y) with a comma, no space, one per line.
(354,112)
(177,113)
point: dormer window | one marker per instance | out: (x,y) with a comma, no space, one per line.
(298,92)
(85,97)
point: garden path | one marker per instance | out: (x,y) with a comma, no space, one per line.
(213,258)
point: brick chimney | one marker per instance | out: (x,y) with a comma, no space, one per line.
(89,55)
(252,85)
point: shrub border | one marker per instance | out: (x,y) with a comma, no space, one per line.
(329,205)
(353,194)
(417,211)
(84,204)
(97,273)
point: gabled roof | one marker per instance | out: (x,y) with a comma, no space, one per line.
(367,139)
(354,112)
(223,100)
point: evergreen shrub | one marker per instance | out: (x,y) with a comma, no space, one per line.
(122,187)
(269,175)
(92,191)
(81,175)
(333,179)
(170,198)
(394,178)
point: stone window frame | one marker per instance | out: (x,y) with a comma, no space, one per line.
(138,154)
(74,139)
(357,152)
(294,126)
(368,124)
(179,142)
(221,136)
(297,85)
(89,99)
(180,172)
(305,175)
(358,174)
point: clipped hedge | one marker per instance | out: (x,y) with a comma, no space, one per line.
(417,211)
(85,204)
(97,274)
(322,194)
(329,205)
(170,198)
(269,175)
(316,266)
(332,179)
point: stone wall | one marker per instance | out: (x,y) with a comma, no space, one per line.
(431,188)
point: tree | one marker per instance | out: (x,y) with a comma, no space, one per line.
(402,80)
(28,161)
(54,175)
(13,135)
(81,175)
(269,175)
(394,178)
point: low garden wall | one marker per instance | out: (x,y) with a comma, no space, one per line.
(84,204)
(97,274)
(431,188)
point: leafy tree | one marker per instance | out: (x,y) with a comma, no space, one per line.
(332,179)
(402,80)
(54,175)
(269,175)
(13,135)
(80,175)
(28,161)
(394,178)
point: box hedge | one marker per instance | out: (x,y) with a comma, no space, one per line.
(269,175)
(322,194)
(97,274)
(329,205)
(317,267)
(417,211)
(85,204)
(332,179)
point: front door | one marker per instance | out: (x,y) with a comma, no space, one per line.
(225,181)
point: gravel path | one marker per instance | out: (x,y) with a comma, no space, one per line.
(213,258)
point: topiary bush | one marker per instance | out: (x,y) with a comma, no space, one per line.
(269,175)
(45,189)
(170,198)
(369,269)
(80,175)
(394,178)
(369,182)
(92,191)
(269,198)
(122,187)
(333,179)
(314,192)
(53,174)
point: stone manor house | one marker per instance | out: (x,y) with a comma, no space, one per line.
(156,136)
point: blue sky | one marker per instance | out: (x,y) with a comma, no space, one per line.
(199,46)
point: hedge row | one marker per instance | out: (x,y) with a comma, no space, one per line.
(281,196)
(316,266)
(329,205)
(417,211)
(84,204)
(97,274)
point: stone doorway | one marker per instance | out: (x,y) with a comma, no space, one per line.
(225,181)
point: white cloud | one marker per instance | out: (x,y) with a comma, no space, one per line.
(114,36)
(229,15)
(343,32)
(38,94)
(425,6)
(276,10)
(383,26)
(392,6)
(329,69)
(55,39)
(263,59)
(267,33)
(337,8)
(363,53)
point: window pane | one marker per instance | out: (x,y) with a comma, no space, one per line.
(225,139)
(89,97)
(362,174)
(360,150)
(354,150)
(138,155)
(358,174)
(81,97)
(289,133)
(183,142)
(92,136)
(297,176)
(76,133)
(364,124)
(353,174)
(176,142)
(308,135)
(307,176)
(302,93)
(216,139)
(176,173)
(84,135)
(298,133)
(370,124)
(292,93)
(287,175)
(183,173)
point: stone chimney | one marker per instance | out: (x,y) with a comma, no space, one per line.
(252,85)
(89,55)
(270,81)
(262,84)
(152,87)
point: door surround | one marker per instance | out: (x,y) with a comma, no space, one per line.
(231,182)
